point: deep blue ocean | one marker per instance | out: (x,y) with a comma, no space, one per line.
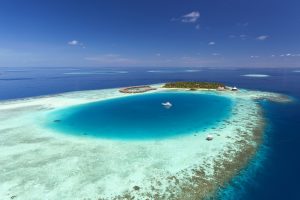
(273,174)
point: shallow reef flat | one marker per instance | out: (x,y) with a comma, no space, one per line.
(39,163)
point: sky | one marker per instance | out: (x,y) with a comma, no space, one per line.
(147,33)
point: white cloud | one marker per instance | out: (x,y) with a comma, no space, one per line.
(76,43)
(73,42)
(111,59)
(262,37)
(158,54)
(215,54)
(254,56)
(197,26)
(190,17)
(289,55)
(211,43)
(243,36)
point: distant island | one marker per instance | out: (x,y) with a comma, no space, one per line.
(137,89)
(195,85)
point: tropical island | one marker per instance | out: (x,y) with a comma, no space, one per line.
(195,85)
(137,89)
(191,85)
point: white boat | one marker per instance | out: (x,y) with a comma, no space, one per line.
(209,137)
(166,104)
(234,88)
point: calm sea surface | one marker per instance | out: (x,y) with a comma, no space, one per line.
(273,174)
(143,116)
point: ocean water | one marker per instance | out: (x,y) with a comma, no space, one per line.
(141,117)
(273,174)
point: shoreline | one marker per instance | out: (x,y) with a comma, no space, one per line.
(171,175)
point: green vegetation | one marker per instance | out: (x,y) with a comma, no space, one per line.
(194,85)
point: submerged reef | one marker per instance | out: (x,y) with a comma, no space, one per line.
(37,162)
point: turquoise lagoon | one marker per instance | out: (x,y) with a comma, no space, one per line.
(142,116)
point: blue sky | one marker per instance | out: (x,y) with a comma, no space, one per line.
(186,33)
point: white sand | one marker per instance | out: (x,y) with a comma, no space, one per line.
(38,163)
